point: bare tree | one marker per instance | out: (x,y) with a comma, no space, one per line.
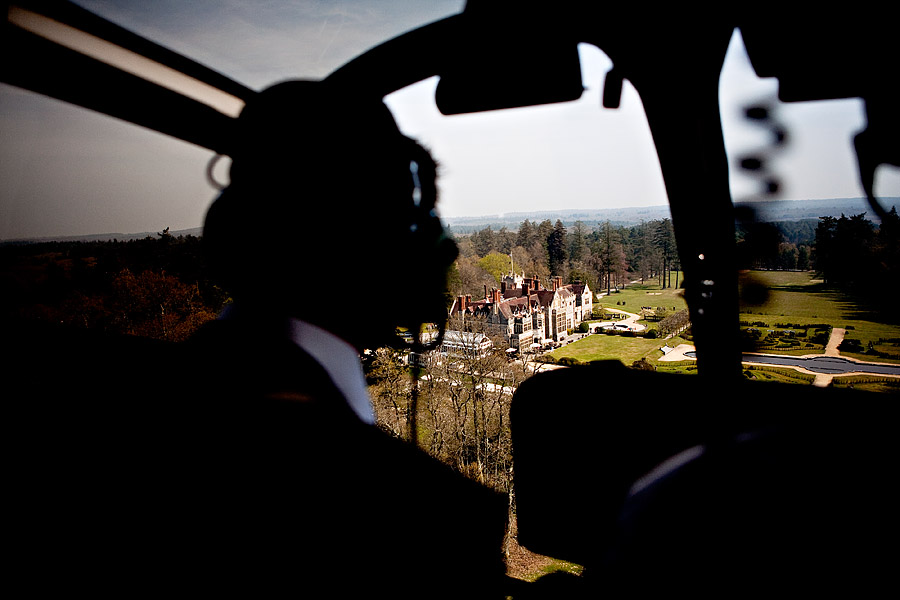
(390,392)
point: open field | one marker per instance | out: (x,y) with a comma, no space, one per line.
(633,297)
(794,298)
(799,298)
(611,347)
(799,295)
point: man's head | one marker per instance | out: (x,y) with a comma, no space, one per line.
(329,215)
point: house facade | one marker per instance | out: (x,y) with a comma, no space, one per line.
(523,313)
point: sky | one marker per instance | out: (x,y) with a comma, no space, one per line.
(69,171)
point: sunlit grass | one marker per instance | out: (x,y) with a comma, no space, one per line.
(632,298)
(793,298)
(608,347)
(800,298)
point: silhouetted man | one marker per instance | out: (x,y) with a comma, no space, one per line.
(328,241)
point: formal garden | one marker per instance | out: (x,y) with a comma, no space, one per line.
(795,317)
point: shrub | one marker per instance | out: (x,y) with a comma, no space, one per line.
(820,337)
(569,361)
(850,345)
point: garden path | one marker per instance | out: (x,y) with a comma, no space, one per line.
(831,349)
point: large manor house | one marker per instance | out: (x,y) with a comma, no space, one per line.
(522,312)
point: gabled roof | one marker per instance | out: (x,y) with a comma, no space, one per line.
(545,297)
(578,288)
(513,307)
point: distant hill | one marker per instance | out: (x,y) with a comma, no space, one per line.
(106,237)
(795,210)
(788,210)
(617,216)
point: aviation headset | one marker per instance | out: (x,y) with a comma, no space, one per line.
(323,172)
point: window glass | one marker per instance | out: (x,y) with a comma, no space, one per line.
(554,158)
(68,171)
(814,254)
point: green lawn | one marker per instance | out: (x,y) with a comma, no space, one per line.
(793,297)
(633,297)
(608,347)
(797,297)
(627,349)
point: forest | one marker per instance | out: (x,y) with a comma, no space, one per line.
(155,287)
(843,251)
(853,252)
(605,257)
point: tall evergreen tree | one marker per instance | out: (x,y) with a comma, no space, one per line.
(526,235)
(504,240)
(825,233)
(544,229)
(556,249)
(664,241)
(483,241)
(609,249)
(645,252)
(578,243)
(803,258)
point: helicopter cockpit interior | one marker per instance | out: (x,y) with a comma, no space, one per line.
(703,483)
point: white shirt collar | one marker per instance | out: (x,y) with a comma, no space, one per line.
(340,360)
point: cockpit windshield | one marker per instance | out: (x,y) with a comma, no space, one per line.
(546,245)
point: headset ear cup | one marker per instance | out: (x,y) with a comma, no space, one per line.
(431,256)
(431,252)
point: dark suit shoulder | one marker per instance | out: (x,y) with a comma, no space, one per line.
(231,361)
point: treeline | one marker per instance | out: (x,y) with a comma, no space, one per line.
(854,252)
(605,257)
(843,250)
(783,245)
(154,287)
